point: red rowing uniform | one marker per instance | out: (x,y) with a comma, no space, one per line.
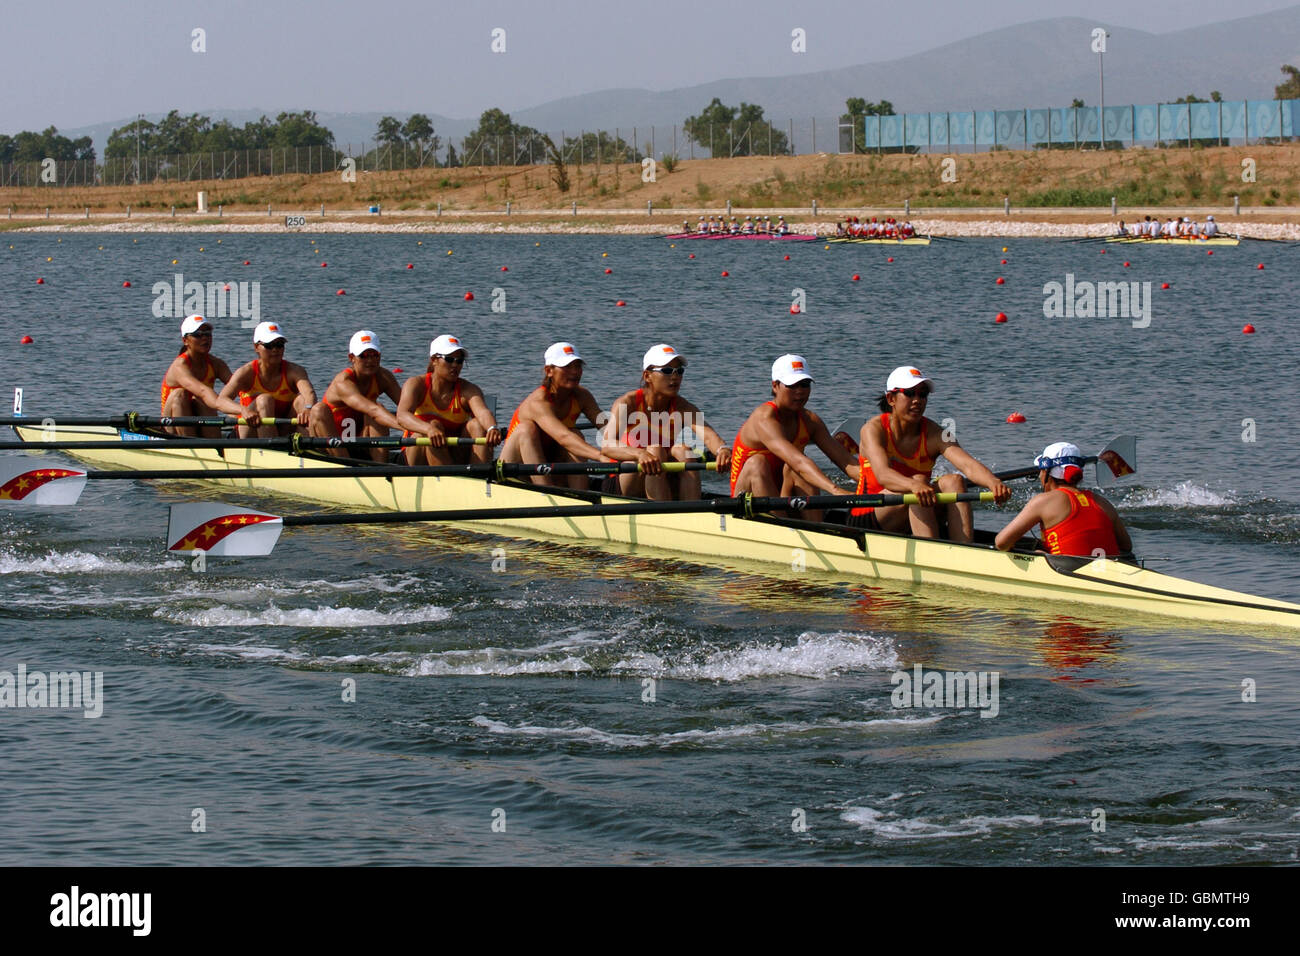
(346,411)
(740,452)
(452,417)
(207,378)
(1088,528)
(282,393)
(570,418)
(919,465)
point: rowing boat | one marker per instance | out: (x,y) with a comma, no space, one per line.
(881,241)
(787,237)
(848,554)
(1175,240)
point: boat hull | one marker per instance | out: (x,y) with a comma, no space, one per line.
(1216,241)
(857,240)
(1031,579)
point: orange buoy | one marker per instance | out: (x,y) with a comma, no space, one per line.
(1001,317)
(26,340)
(1001,281)
(469,296)
(1248,329)
(1015,418)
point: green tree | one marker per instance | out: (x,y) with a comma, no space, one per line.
(389,131)
(858,108)
(1289,89)
(736,131)
(593,147)
(499,141)
(419,133)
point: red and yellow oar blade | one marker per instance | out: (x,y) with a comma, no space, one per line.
(222,530)
(21,484)
(1120,459)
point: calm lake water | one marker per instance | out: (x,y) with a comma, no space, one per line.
(503,717)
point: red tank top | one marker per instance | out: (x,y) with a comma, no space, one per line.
(207,378)
(1086,530)
(919,465)
(456,412)
(740,452)
(282,393)
(644,428)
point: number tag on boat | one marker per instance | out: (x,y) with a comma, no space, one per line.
(222,531)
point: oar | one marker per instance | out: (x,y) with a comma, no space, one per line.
(223,530)
(21,484)
(133,421)
(293,444)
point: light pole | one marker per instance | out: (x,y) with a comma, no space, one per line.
(139,121)
(1101,70)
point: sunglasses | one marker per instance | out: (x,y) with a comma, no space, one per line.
(453,359)
(916,391)
(669,371)
(202,334)
(277,345)
(802,383)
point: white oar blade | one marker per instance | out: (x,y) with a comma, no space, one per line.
(21,484)
(1116,460)
(222,530)
(847,433)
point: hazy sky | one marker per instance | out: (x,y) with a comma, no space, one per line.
(77,62)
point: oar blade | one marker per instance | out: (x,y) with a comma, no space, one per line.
(1117,459)
(23,485)
(847,433)
(222,530)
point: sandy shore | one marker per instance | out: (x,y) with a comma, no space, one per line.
(1036,225)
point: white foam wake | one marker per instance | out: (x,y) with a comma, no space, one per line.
(1185,494)
(892,826)
(73,562)
(339,617)
(812,655)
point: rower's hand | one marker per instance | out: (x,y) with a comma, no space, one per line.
(1001,493)
(493,436)
(648,462)
(304,416)
(723,457)
(252,421)
(437,437)
(925,493)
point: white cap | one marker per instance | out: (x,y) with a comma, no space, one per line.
(1063,460)
(446,345)
(193,323)
(661,355)
(363,341)
(561,354)
(905,376)
(791,369)
(268,332)
(1209,219)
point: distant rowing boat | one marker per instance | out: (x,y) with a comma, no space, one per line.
(843,552)
(881,241)
(1174,240)
(788,237)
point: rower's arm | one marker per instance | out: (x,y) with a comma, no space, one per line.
(1030,515)
(769,432)
(975,470)
(616,425)
(482,414)
(202,390)
(411,396)
(871,442)
(352,397)
(833,449)
(238,382)
(566,437)
(306,396)
(712,440)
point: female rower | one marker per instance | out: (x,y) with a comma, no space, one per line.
(291,395)
(1073,522)
(656,418)
(542,427)
(898,453)
(187,385)
(349,409)
(441,405)
(768,457)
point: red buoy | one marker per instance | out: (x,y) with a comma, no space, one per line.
(26,340)
(787,258)
(1260,266)
(504,269)
(340,292)
(794,308)
(40,281)
(856,277)
(469,296)
(322,265)
(620,302)
(1001,317)
(1004,261)
(890,259)
(397,371)
(691,256)
(1125,265)
(1103,252)
(1248,329)
(410,265)
(126,285)
(725,273)
(611,272)
(226,287)
(1209,252)
(247,263)
(1001,281)
(1015,418)
(1164,285)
